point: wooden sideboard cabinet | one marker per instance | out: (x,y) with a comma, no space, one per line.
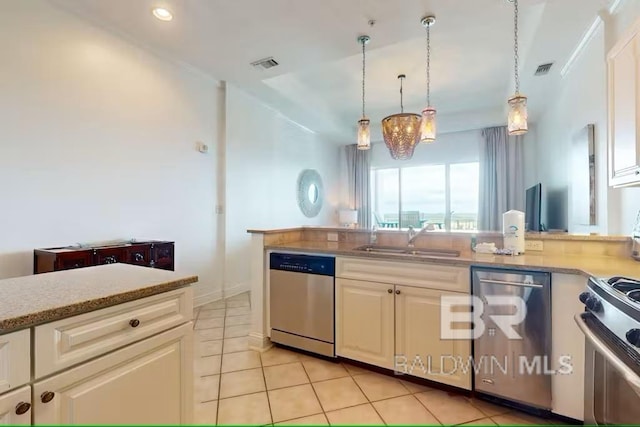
(153,253)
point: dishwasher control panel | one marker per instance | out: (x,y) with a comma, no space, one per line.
(308,264)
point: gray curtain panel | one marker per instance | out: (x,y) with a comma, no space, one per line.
(358,167)
(501,177)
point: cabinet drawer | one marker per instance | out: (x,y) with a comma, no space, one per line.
(422,275)
(71,341)
(15,359)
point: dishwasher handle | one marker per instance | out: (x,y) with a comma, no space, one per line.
(509,283)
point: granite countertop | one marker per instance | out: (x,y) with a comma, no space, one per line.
(598,266)
(41,298)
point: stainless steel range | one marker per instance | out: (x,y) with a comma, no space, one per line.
(611,325)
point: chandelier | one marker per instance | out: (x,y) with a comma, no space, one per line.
(517,119)
(428,124)
(364,133)
(401,131)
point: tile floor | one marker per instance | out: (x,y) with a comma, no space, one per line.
(234,385)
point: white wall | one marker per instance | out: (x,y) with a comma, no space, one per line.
(97,142)
(455,147)
(580,100)
(265,153)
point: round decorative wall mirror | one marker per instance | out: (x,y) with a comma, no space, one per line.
(310,193)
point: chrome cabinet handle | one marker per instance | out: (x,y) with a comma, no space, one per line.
(110,259)
(22,408)
(134,323)
(138,257)
(47,396)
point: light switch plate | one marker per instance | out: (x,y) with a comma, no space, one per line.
(534,245)
(332,237)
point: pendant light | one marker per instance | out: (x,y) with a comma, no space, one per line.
(364,132)
(401,132)
(517,120)
(428,123)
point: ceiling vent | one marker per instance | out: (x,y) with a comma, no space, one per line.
(265,64)
(543,69)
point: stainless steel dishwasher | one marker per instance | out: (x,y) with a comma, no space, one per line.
(506,367)
(301,301)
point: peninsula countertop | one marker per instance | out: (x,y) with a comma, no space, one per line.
(31,300)
(587,265)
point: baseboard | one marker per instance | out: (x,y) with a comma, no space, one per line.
(236,289)
(259,342)
(207,298)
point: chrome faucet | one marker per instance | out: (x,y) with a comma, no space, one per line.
(413,234)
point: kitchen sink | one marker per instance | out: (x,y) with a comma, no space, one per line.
(404,250)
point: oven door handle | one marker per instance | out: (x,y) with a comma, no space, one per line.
(631,377)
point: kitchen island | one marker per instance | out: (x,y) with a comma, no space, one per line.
(109,344)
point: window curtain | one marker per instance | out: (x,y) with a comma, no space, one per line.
(501,177)
(358,177)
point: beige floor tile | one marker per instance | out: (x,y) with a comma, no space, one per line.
(362,414)
(243,319)
(378,387)
(212,314)
(233,345)
(209,334)
(487,408)
(293,402)
(240,361)
(213,305)
(209,365)
(482,422)
(355,370)
(286,375)
(416,388)
(278,356)
(205,413)
(513,418)
(241,382)
(236,331)
(208,348)
(238,311)
(404,410)
(206,388)
(250,409)
(339,393)
(449,408)
(312,420)
(241,303)
(210,323)
(320,370)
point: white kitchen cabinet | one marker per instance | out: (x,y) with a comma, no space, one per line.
(567,390)
(15,407)
(623,62)
(149,382)
(364,321)
(418,342)
(15,359)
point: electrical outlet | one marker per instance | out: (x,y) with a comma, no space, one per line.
(534,245)
(332,237)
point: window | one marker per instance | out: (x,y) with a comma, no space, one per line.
(445,196)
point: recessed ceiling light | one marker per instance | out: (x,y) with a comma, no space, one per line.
(162,14)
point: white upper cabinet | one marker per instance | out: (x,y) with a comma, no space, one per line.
(624,109)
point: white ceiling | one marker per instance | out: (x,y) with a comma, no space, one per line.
(317,83)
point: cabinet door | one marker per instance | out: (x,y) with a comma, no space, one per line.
(364,322)
(15,407)
(146,383)
(567,389)
(74,259)
(138,254)
(108,255)
(419,349)
(162,254)
(624,111)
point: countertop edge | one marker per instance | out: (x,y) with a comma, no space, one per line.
(53,314)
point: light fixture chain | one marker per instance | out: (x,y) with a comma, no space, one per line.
(428,65)
(363,77)
(515,45)
(401,100)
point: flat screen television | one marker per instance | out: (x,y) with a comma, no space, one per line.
(533,208)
